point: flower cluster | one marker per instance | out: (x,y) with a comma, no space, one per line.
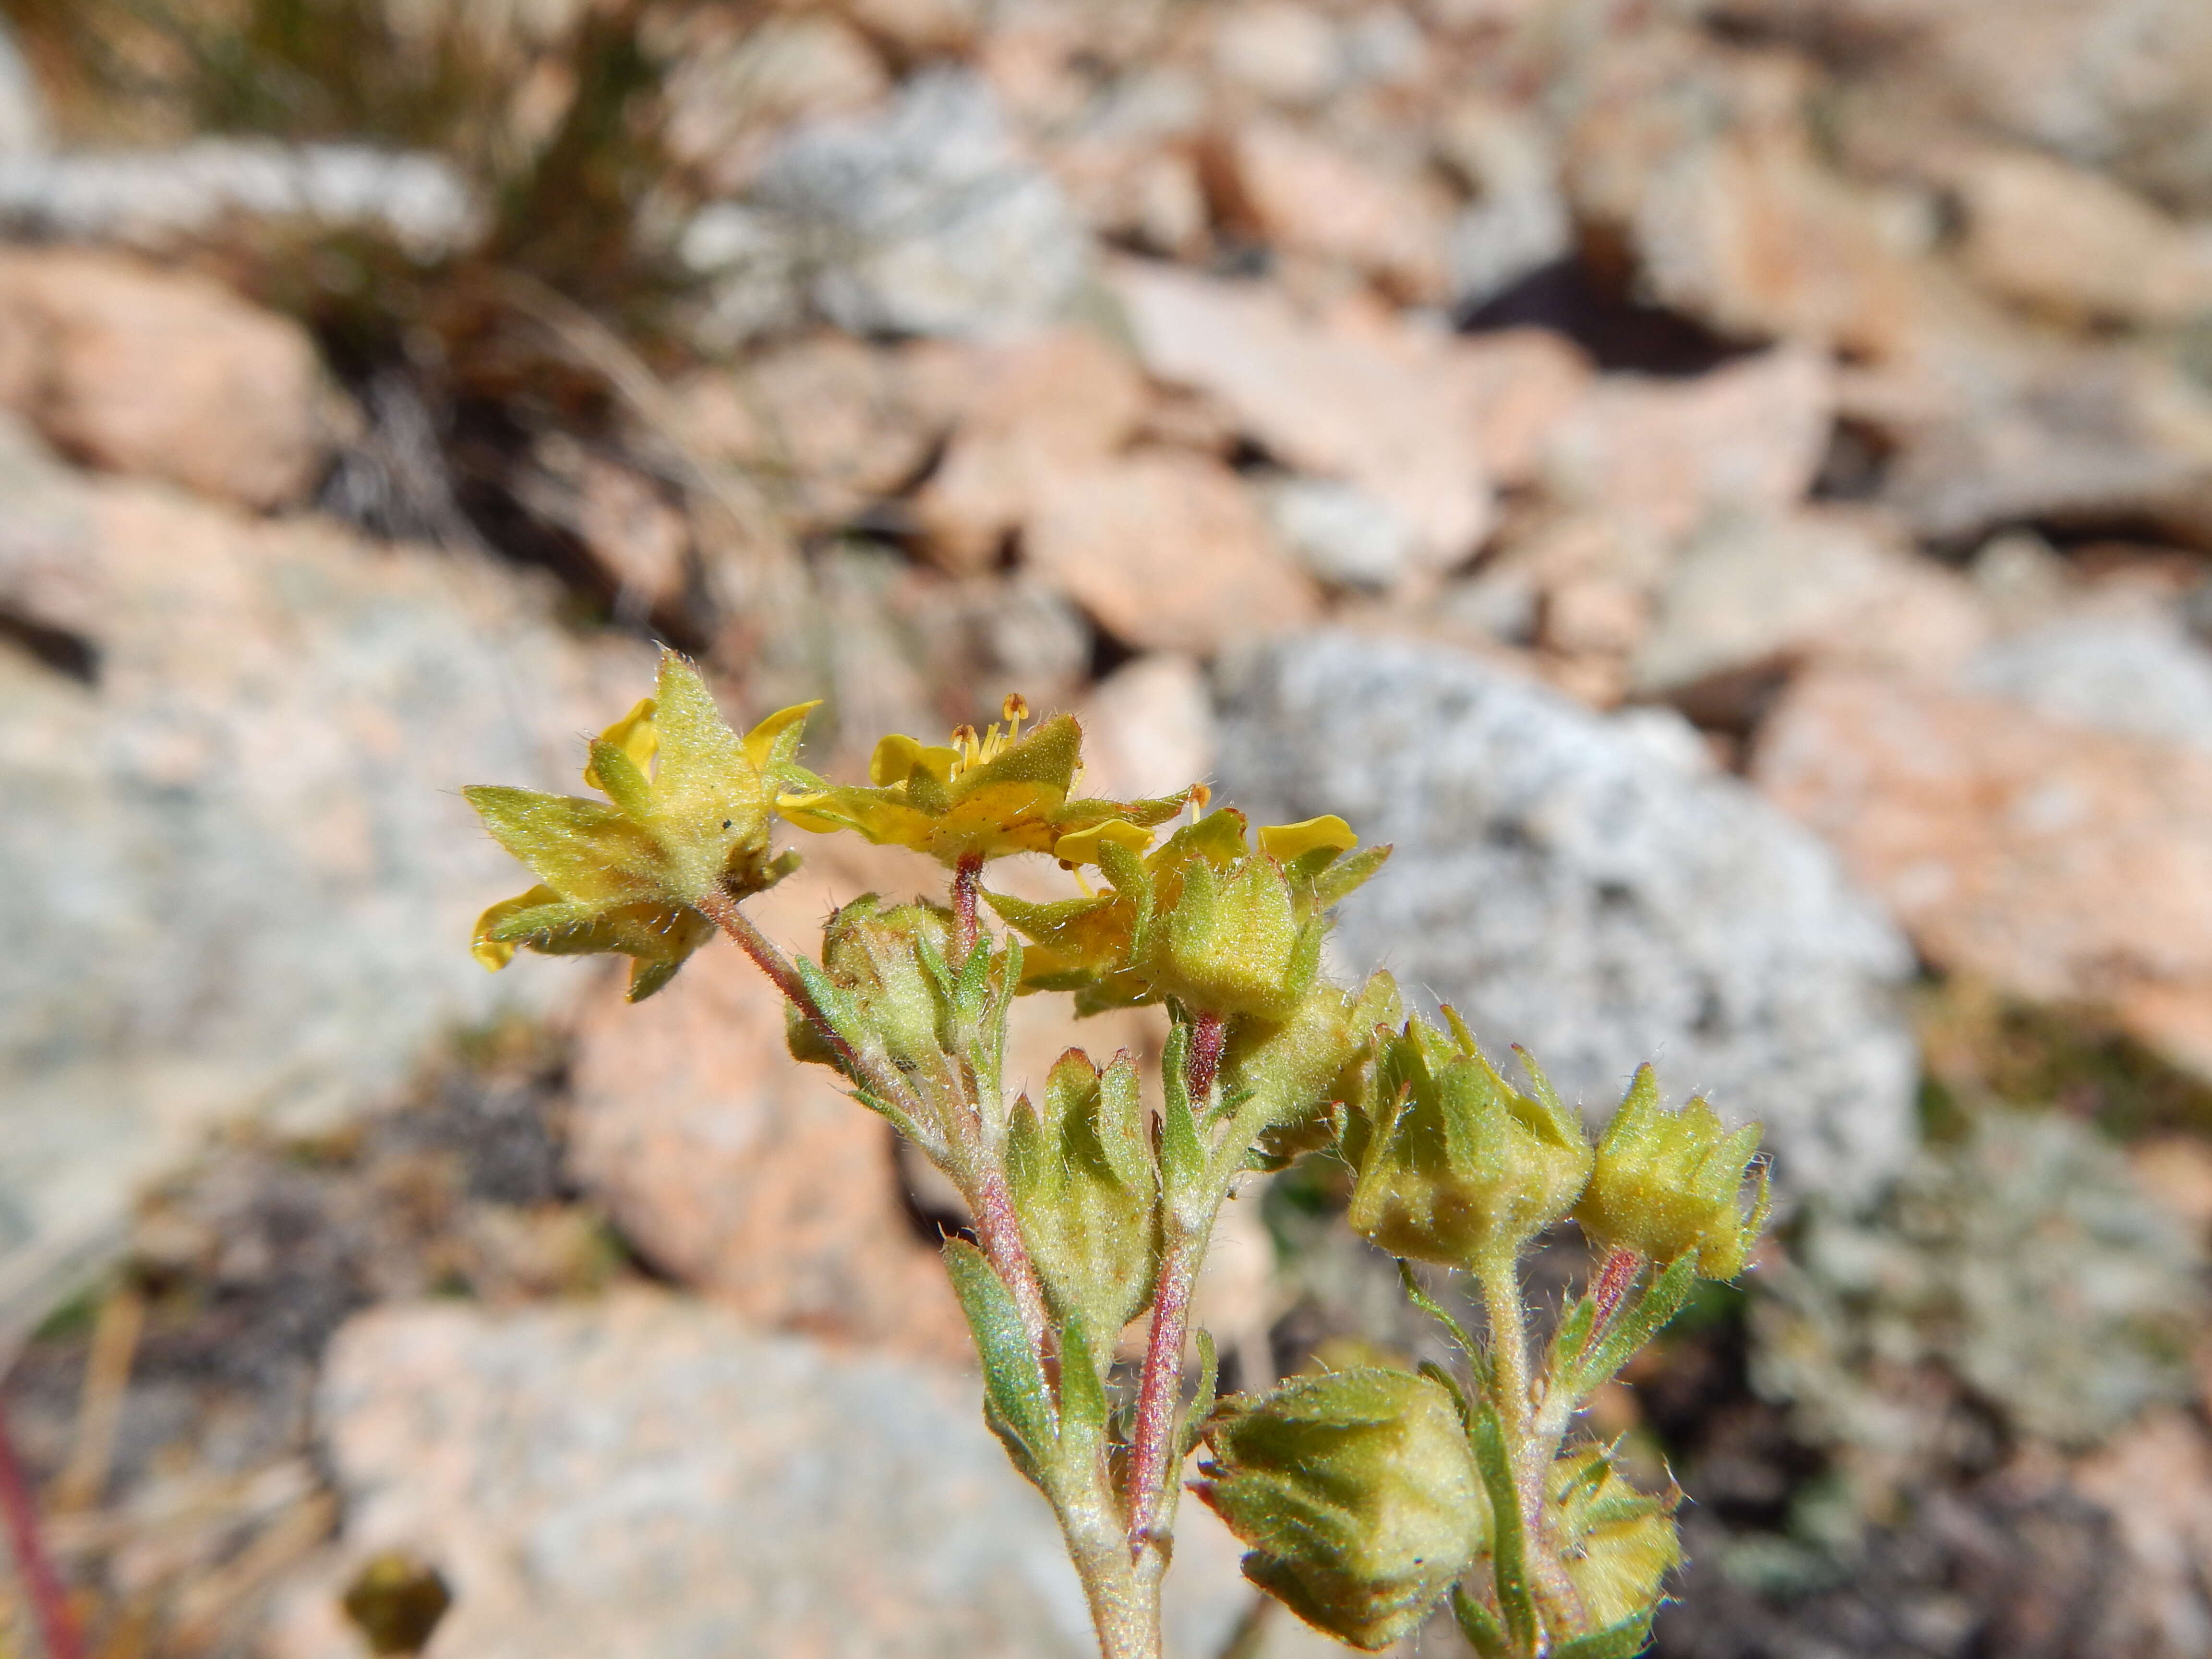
(1367,1497)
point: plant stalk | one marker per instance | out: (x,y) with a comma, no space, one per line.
(998,1233)
(1530,1444)
(49,1598)
(967,878)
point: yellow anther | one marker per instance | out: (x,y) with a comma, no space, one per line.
(1015,709)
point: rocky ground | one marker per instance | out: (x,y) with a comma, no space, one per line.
(1724,485)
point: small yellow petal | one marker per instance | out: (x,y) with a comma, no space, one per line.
(897,758)
(1081,846)
(492,953)
(797,810)
(1285,841)
(760,742)
(635,734)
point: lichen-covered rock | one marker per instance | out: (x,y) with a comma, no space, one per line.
(1590,889)
(235,876)
(2024,1261)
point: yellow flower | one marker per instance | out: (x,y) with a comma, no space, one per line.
(689,812)
(979,797)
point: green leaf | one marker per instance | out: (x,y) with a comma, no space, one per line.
(1636,1324)
(1444,1380)
(1429,1305)
(1013,1383)
(1183,1156)
(1622,1640)
(1479,1625)
(1083,1403)
(972,986)
(1509,1553)
(1572,1337)
(1201,1404)
(843,1013)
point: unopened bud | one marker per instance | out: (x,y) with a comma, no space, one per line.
(1620,1543)
(1668,1182)
(1358,1495)
(1457,1166)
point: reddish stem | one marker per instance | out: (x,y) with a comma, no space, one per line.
(57,1631)
(967,877)
(1159,1393)
(1209,1035)
(1612,1283)
(997,1231)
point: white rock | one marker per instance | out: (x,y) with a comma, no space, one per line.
(155,199)
(1339,533)
(1591,889)
(925,219)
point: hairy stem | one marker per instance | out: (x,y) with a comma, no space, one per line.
(967,878)
(1612,1283)
(1209,1035)
(1181,1253)
(997,1231)
(1529,1443)
(1157,1393)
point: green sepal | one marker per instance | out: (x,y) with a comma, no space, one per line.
(1202,1403)
(1509,1562)
(1019,1405)
(1479,1625)
(1622,1640)
(622,779)
(1635,1324)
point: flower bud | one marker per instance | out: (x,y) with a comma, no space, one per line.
(898,1007)
(1620,1543)
(1667,1182)
(1305,1067)
(1456,1165)
(1080,1161)
(1358,1495)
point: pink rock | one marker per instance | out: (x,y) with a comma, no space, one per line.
(2056,862)
(1422,422)
(164,374)
(1167,551)
(740,1171)
(1305,196)
(1031,410)
(1670,454)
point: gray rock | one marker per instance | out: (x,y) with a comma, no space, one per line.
(235,878)
(2140,671)
(924,219)
(1339,533)
(158,198)
(650,1477)
(1590,888)
(22,112)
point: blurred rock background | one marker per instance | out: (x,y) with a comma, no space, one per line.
(1724,485)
